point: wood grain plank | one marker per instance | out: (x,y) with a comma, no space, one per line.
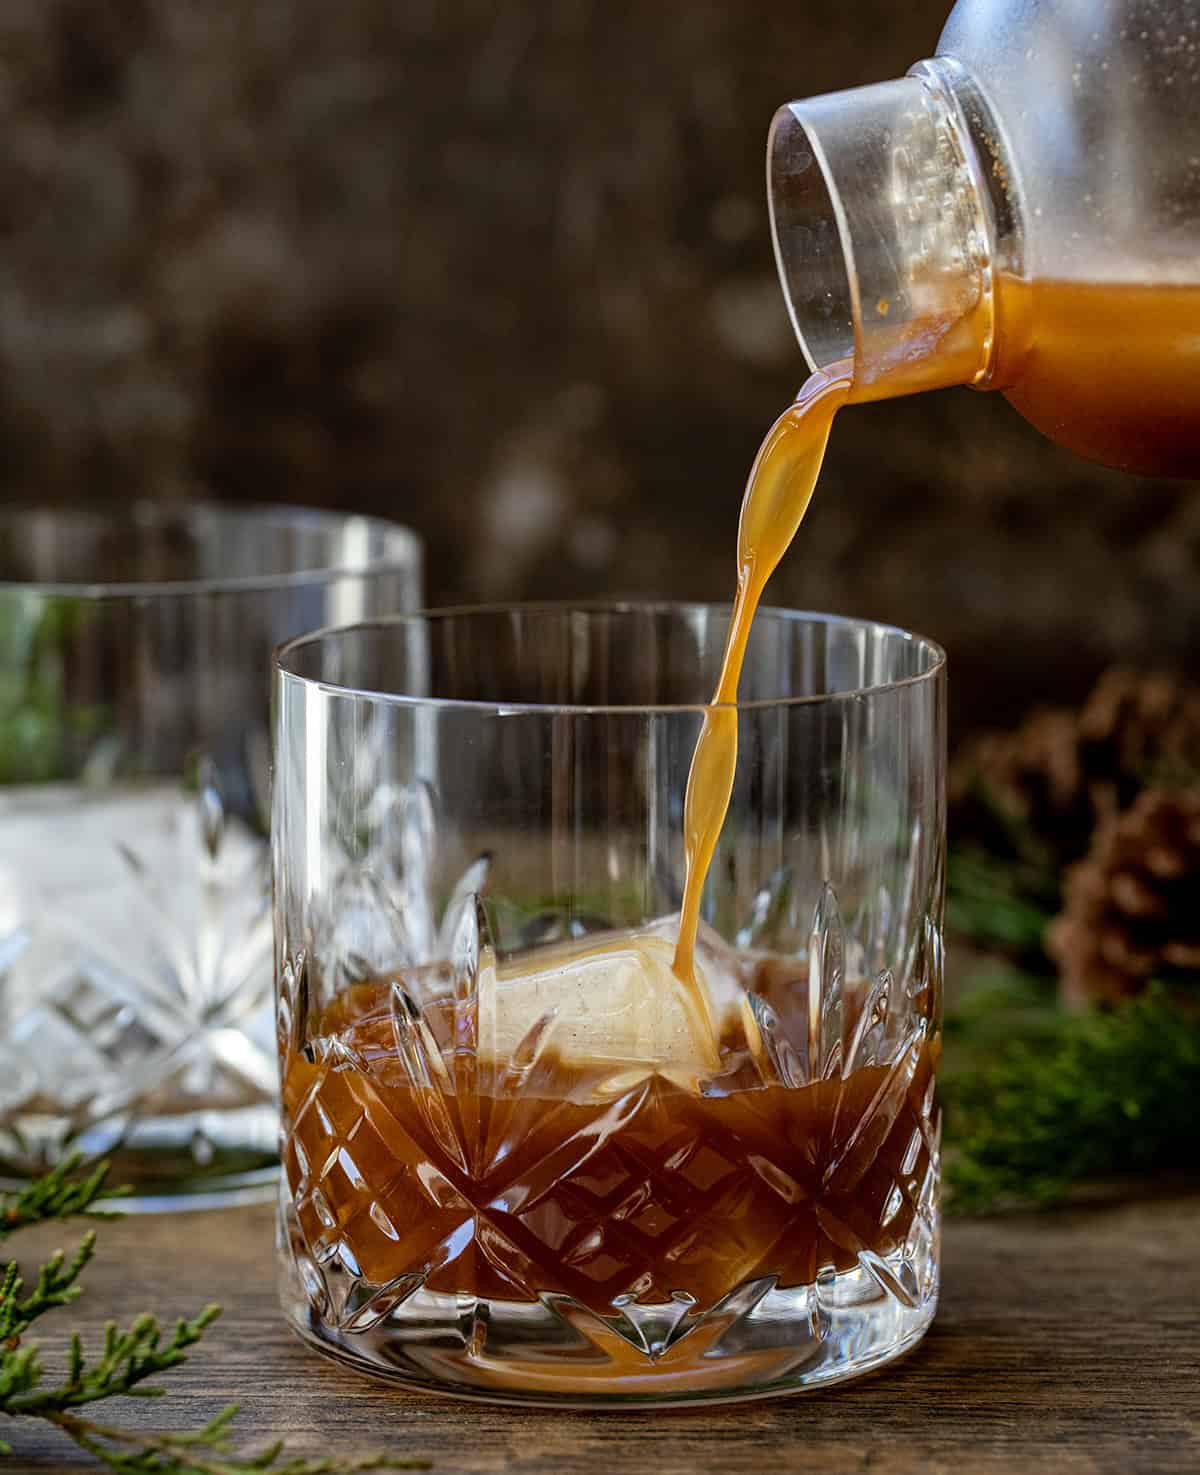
(1067,1342)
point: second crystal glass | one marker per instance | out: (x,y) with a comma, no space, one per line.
(135,930)
(519,1163)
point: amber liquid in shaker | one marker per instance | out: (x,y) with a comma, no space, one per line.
(1112,371)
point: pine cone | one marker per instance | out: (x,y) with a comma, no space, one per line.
(1059,775)
(1132,909)
(1030,783)
(1136,731)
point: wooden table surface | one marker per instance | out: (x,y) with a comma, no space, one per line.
(1066,1342)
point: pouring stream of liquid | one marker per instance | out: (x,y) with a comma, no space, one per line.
(777,496)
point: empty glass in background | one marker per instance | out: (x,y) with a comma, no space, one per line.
(135,926)
(463,800)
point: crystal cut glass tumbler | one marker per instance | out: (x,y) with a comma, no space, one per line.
(135,925)
(523,1159)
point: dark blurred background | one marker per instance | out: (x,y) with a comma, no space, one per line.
(502,271)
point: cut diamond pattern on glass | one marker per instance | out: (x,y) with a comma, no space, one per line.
(524,1159)
(642,1217)
(135,971)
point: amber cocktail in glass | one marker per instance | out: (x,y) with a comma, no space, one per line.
(524,1158)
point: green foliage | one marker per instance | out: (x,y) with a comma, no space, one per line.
(57,1285)
(206,1451)
(37,725)
(1000,1005)
(1039,1102)
(1005,894)
(127,1361)
(997,904)
(59,1194)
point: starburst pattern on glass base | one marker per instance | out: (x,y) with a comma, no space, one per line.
(645,1249)
(135,978)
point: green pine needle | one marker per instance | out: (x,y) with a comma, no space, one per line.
(127,1362)
(205,1451)
(1039,1102)
(59,1194)
(998,904)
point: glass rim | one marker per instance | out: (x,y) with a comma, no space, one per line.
(404,552)
(282,652)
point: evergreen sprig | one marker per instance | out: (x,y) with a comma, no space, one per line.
(998,904)
(61,1193)
(1040,1102)
(128,1360)
(205,1451)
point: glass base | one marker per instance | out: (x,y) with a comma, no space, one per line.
(758,1343)
(187,1160)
